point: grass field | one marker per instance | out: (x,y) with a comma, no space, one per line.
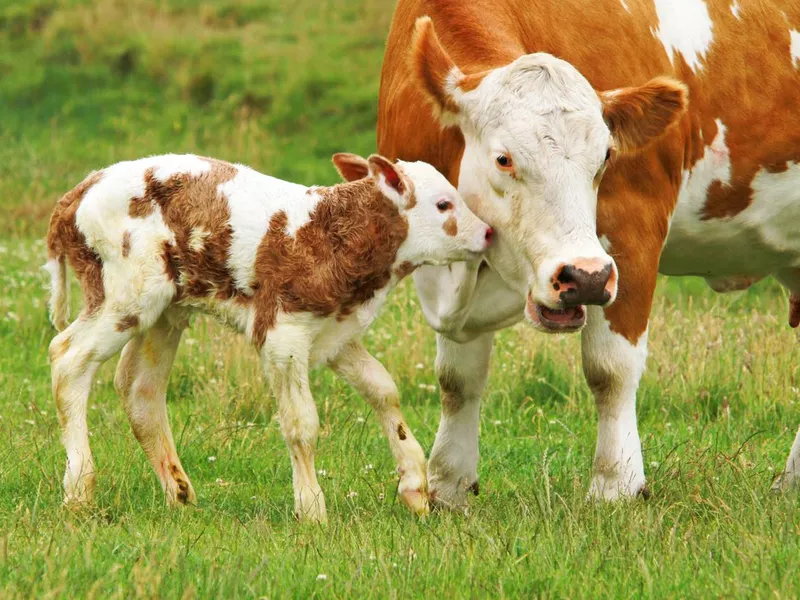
(282,86)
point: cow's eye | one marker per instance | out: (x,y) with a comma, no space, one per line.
(608,155)
(444,205)
(504,162)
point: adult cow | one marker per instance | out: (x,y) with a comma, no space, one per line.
(567,126)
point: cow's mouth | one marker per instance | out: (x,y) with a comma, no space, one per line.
(555,320)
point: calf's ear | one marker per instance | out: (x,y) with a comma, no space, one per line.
(391,181)
(638,116)
(351,167)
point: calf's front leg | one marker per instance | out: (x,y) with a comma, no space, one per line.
(372,380)
(288,378)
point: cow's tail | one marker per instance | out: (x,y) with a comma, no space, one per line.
(59,291)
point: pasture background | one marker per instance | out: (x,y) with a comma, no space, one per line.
(281,86)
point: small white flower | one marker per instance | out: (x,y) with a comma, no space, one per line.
(654,464)
(322,472)
(322,577)
(352,494)
(190,341)
(552,422)
(30,422)
(497,422)
(368,467)
(359,419)
(381,496)
(212,459)
(411,554)
(419,366)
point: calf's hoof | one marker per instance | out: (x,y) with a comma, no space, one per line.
(612,487)
(413,491)
(79,493)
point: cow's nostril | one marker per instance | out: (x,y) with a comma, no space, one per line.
(567,274)
(489,235)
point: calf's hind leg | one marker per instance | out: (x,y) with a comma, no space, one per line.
(373,381)
(75,355)
(141,381)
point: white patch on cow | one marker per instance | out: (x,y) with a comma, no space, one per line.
(253,199)
(197,238)
(735,8)
(625,5)
(794,47)
(685,27)
(618,365)
(755,242)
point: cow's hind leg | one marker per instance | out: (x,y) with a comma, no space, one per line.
(373,381)
(141,381)
(462,370)
(75,355)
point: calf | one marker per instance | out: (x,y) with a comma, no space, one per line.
(302,272)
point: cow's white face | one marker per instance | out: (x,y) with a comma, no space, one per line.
(538,138)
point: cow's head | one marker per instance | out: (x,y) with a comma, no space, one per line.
(538,138)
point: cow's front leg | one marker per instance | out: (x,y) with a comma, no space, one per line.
(462,370)
(613,366)
(373,381)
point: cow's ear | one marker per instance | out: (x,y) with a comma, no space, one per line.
(441,80)
(638,116)
(351,167)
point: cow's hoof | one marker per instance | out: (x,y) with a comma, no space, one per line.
(611,488)
(784,483)
(453,496)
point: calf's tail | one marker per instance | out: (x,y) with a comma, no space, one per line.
(59,291)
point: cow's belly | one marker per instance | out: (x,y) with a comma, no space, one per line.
(761,239)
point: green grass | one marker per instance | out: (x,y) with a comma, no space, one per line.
(84,84)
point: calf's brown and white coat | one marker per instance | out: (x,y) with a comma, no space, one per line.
(301,271)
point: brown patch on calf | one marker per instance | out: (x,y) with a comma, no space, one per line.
(126,243)
(127,322)
(404,270)
(65,239)
(183,486)
(57,350)
(451,226)
(190,202)
(334,263)
(401,432)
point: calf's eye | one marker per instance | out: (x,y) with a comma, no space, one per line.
(444,205)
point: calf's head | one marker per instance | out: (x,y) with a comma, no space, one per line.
(441,227)
(538,139)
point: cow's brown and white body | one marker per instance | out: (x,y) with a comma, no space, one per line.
(302,272)
(714,191)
